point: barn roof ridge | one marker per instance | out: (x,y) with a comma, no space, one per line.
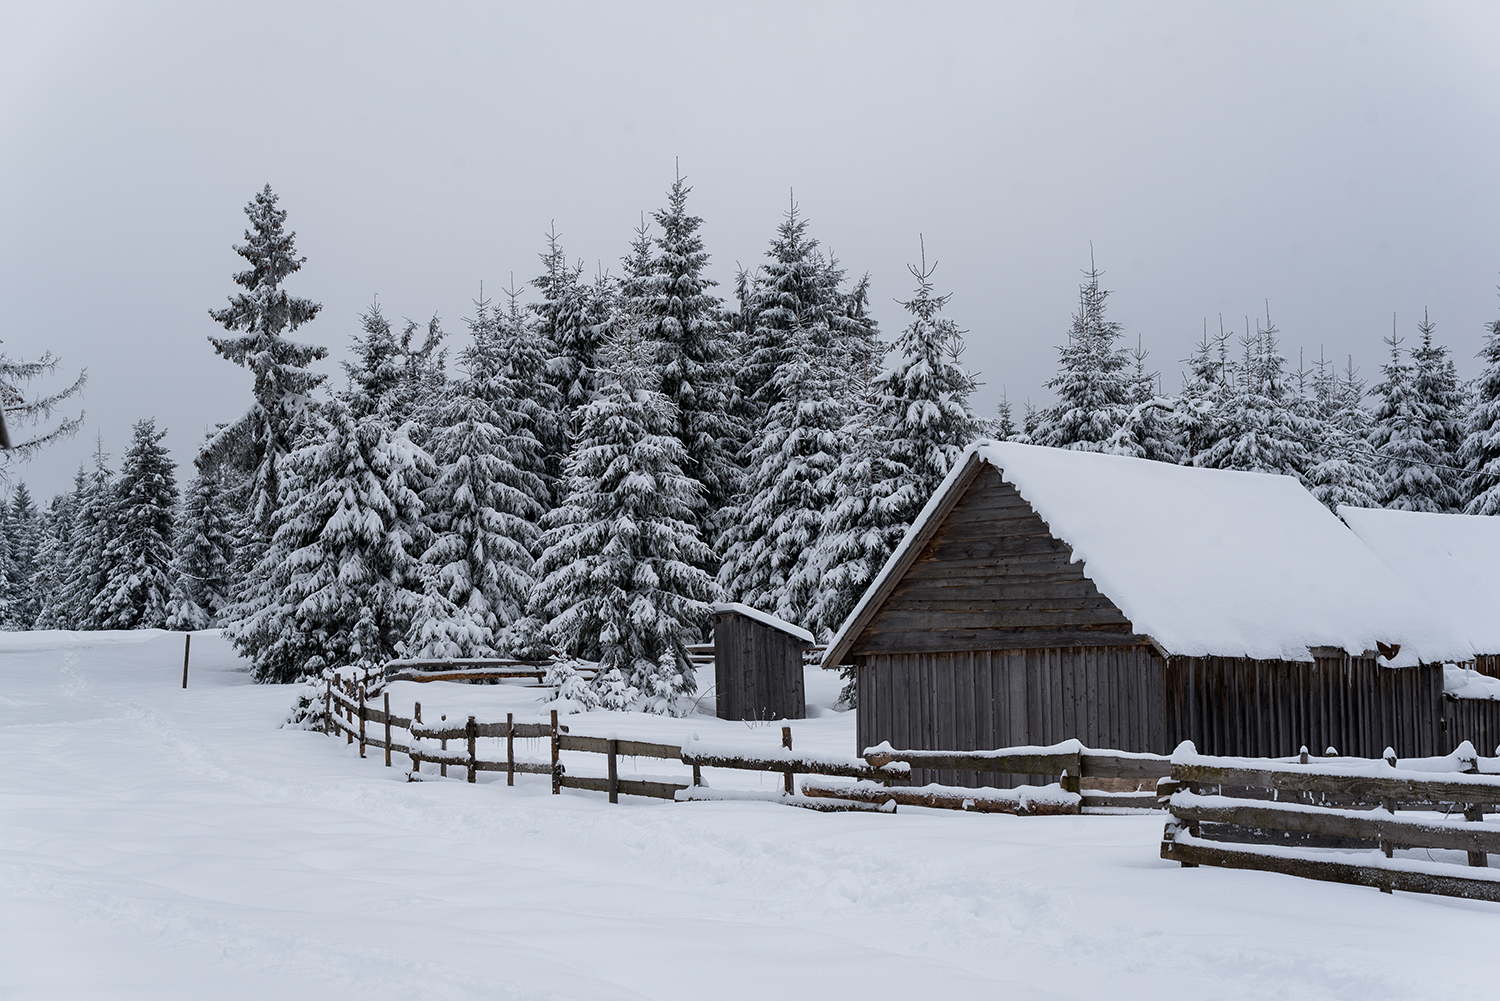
(1203,562)
(765,619)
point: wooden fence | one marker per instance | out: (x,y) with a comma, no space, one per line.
(1308,817)
(876,774)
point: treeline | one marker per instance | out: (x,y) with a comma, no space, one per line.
(609,455)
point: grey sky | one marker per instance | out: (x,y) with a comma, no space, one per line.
(1336,159)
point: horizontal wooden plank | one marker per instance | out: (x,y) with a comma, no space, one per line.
(1378,825)
(627,787)
(956,619)
(982,761)
(994,549)
(940,799)
(874,641)
(923,601)
(1120,800)
(1103,765)
(998,588)
(1331,871)
(797,766)
(522,767)
(1369,788)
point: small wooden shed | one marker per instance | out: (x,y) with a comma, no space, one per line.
(758,664)
(1046,594)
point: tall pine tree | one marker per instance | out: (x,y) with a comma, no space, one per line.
(1093,386)
(259,321)
(1408,455)
(1480,452)
(139,586)
(204,555)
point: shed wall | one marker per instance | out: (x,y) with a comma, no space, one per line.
(758,672)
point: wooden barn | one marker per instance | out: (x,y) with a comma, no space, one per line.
(1452,560)
(758,669)
(1046,594)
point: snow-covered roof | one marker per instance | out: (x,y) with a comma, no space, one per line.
(766,619)
(1206,562)
(1452,560)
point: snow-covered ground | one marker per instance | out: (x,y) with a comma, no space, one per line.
(160,843)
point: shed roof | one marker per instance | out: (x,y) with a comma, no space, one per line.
(1206,562)
(1453,560)
(765,619)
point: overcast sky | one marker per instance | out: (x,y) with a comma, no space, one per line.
(1338,160)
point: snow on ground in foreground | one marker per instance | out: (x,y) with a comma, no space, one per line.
(163,844)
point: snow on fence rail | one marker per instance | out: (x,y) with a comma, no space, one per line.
(1335,819)
(876,774)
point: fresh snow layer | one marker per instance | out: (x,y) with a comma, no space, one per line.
(1212,562)
(165,844)
(1467,683)
(1451,559)
(765,618)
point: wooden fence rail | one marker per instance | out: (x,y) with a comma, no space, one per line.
(877,773)
(1285,816)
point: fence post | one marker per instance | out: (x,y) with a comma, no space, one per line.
(443,767)
(697,775)
(347,711)
(187,644)
(361,718)
(1472,812)
(786,742)
(471,731)
(614,773)
(556,751)
(328,706)
(510,749)
(1072,778)
(416,717)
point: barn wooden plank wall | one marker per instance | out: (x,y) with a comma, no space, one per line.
(1474,720)
(757,670)
(966,700)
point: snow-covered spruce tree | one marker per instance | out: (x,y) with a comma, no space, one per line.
(1435,380)
(392,374)
(338,584)
(203,560)
(51,574)
(1408,461)
(1341,473)
(7,569)
(563,324)
(24,532)
(1005,421)
(684,321)
(1206,390)
(259,320)
(482,510)
(922,403)
(1152,427)
(778,520)
(1260,430)
(140,582)
(96,520)
(1093,385)
(1480,452)
(622,578)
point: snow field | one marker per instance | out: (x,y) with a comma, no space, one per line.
(163,844)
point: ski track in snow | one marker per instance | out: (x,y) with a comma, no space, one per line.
(156,843)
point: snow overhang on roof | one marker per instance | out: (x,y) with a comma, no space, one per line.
(765,619)
(1206,562)
(1452,560)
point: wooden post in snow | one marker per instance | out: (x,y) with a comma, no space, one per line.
(614,771)
(361,719)
(443,768)
(187,645)
(556,753)
(328,704)
(387,707)
(471,731)
(510,749)
(416,717)
(786,742)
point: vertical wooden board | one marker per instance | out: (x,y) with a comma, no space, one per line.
(1015,699)
(1031,684)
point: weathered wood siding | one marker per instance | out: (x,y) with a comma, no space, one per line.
(1265,708)
(993,578)
(758,671)
(1488,664)
(1474,720)
(984,699)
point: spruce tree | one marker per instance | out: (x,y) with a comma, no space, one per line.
(203,560)
(1342,473)
(1205,396)
(340,581)
(96,520)
(24,531)
(683,319)
(1093,387)
(1435,381)
(1408,455)
(259,321)
(1259,428)
(140,583)
(1152,428)
(787,293)
(564,324)
(483,507)
(621,577)
(7,570)
(49,581)
(395,375)
(37,412)
(1480,452)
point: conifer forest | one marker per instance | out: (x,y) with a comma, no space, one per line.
(606,456)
